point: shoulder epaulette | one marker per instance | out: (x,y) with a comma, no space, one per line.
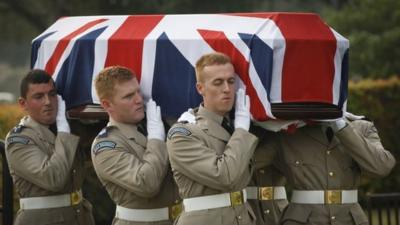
(103,133)
(17,129)
(102,145)
(178,130)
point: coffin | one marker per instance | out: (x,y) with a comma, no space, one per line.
(293,65)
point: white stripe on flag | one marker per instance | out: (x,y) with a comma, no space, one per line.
(341,47)
(101,49)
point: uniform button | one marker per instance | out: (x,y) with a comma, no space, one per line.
(262,171)
(333,217)
(328,152)
(74,170)
(176,201)
(78,211)
(297,162)
(331,174)
(239,217)
(266,211)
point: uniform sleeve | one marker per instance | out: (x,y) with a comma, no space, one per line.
(361,140)
(28,161)
(190,156)
(140,176)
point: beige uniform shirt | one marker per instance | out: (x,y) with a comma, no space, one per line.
(42,164)
(268,212)
(207,160)
(135,171)
(311,162)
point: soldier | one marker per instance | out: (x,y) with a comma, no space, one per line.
(211,160)
(46,168)
(132,165)
(323,163)
(266,192)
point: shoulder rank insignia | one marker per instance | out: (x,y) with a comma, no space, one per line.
(179,130)
(103,133)
(17,129)
(18,139)
(102,145)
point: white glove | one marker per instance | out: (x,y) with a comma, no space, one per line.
(337,125)
(351,116)
(155,126)
(188,116)
(61,120)
(242,110)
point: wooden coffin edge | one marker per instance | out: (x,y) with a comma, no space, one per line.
(284,111)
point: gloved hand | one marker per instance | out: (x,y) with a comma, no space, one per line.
(61,120)
(188,116)
(242,110)
(155,126)
(337,125)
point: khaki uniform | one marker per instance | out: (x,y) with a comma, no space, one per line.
(267,208)
(43,164)
(206,160)
(134,170)
(310,162)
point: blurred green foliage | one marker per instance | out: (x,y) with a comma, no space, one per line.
(373,28)
(379,100)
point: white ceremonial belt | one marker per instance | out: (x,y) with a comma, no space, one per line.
(215,201)
(325,196)
(142,215)
(54,201)
(266,193)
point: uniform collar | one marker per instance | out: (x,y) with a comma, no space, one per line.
(211,122)
(317,132)
(205,113)
(129,131)
(43,130)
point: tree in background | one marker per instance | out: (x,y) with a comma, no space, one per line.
(373,28)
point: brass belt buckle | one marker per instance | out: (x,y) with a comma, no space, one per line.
(76,197)
(175,211)
(266,193)
(333,197)
(236,198)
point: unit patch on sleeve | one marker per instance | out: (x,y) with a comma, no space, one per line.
(18,139)
(103,145)
(178,130)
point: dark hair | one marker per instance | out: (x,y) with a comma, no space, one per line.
(35,76)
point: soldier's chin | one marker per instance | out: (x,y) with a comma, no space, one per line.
(48,121)
(139,117)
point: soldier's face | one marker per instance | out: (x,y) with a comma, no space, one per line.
(41,102)
(126,106)
(218,88)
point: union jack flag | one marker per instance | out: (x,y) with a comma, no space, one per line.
(279,57)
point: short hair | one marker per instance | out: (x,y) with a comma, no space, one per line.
(215,58)
(34,76)
(109,77)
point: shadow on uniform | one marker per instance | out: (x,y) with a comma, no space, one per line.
(103,206)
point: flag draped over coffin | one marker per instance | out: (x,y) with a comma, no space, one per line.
(279,57)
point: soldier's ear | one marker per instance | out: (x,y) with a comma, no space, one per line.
(22,103)
(200,88)
(106,104)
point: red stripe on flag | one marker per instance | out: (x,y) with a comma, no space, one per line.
(63,43)
(125,46)
(308,69)
(220,43)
